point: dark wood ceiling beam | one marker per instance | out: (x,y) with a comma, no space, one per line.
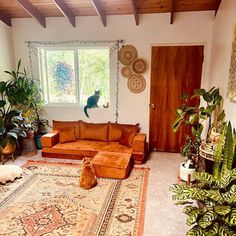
(135,11)
(217,6)
(33,11)
(100,11)
(65,11)
(172,11)
(6,19)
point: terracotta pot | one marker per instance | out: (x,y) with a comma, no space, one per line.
(185,171)
(9,149)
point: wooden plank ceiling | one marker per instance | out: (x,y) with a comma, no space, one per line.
(39,9)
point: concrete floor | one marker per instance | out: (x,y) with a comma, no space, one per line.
(162,217)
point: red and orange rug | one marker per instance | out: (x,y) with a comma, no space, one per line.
(47,200)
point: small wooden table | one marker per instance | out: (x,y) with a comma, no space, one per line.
(112,165)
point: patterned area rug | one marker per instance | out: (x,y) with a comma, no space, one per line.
(47,200)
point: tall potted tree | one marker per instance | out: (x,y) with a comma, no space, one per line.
(194,117)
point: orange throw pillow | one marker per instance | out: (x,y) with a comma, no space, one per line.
(127,137)
(115,130)
(67,134)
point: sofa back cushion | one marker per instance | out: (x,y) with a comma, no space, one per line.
(57,125)
(67,134)
(115,130)
(90,131)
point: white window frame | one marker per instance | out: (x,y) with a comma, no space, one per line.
(42,59)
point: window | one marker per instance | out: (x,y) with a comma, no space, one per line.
(71,75)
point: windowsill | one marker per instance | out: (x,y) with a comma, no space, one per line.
(68,106)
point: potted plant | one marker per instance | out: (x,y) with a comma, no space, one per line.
(189,150)
(10,131)
(215,213)
(193,117)
(25,94)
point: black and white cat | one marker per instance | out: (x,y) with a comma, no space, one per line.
(92,102)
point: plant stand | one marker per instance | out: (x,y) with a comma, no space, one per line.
(206,159)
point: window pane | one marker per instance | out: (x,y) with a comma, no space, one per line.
(94,74)
(61,76)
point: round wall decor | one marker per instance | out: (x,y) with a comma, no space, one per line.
(136,83)
(126,71)
(139,65)
(127,54)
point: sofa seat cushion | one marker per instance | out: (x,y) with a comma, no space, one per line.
(86,147)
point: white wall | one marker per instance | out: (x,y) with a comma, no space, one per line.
(154,29)
(6,50)
(221,53)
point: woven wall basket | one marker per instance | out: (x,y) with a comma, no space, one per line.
(127,54)
(126,71)
(136,83)
(139,65)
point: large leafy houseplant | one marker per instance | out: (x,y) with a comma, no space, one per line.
(215,213)
(194,117)
(25,94)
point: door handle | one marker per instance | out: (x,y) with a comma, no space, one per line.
(153,106)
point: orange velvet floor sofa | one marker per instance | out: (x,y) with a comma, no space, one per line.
(79,139)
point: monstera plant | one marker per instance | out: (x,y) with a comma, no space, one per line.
(215,213)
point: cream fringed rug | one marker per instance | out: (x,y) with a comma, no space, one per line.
(47,200)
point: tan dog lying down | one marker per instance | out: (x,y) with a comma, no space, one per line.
(9,173)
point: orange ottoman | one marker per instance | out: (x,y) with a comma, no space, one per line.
(112,165)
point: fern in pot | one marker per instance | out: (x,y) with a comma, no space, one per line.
(215,194)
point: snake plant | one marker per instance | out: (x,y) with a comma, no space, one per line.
(215,213)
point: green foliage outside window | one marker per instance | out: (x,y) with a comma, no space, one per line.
(94,74)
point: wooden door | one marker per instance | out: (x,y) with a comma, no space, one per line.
(174,70)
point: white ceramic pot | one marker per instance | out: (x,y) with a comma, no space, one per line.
(185,171)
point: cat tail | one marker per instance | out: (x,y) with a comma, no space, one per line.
(85,111)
